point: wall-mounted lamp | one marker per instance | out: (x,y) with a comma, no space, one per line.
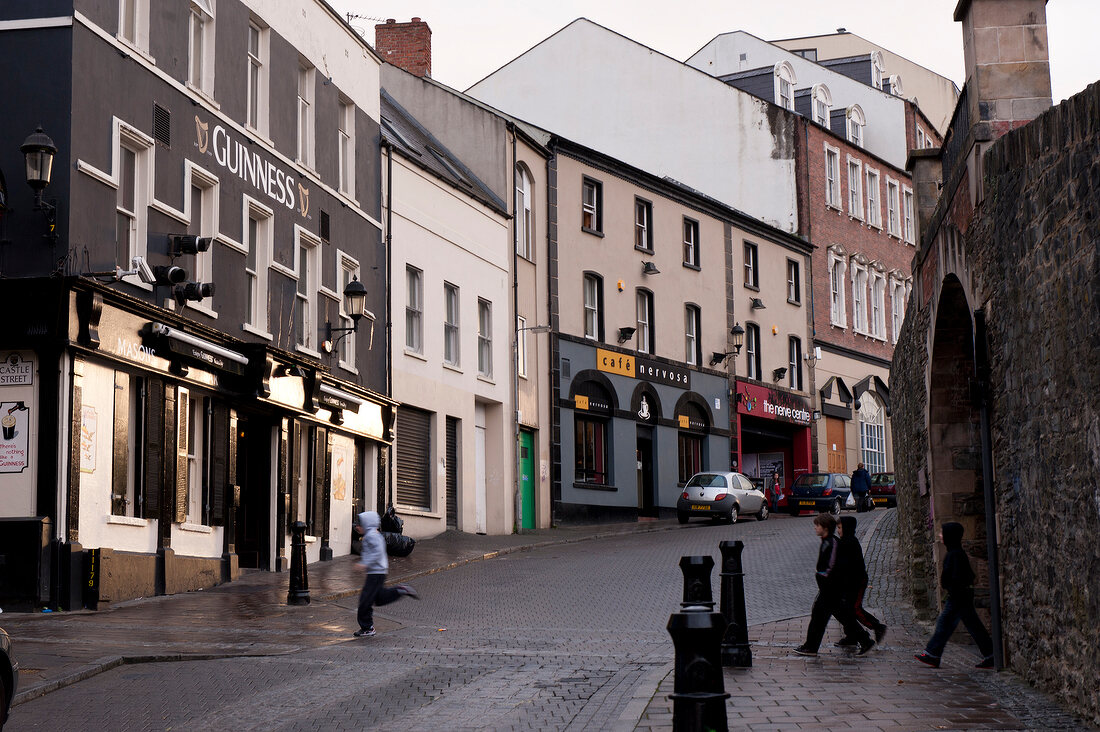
(737,340)
(355,299)
(625,334)
(649,268)
(38,152)
(757,304)
(779,373)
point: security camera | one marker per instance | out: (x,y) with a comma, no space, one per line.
(193,291)
(167,275)
(188,244)
(144,271)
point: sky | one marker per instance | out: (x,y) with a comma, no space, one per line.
(470,40)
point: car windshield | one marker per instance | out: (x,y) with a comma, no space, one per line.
(707,480)
(882,479)
(813,480)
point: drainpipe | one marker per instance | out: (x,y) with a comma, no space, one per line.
(517,493)
(389,305)
(981,366)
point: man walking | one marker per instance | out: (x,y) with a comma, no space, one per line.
(861,486)
(376,563)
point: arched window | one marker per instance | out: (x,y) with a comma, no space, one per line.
(592,408)
(822,104)
(877,69)
(784,85)
(856,124)
(525,220)
(872,433)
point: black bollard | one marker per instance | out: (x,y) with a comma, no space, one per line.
(299,578)
(699,694)
(697,593)
(735,642)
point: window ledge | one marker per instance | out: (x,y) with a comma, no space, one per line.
(308,351)
(834,207)
(486,379)
(794,302)
(209,312)
(695,267)
(754,288)
(643,250)
(206,96)
(197,528)
(452,367)
(417,511)
(594,487)
(416,354)
(137,49)
(593,232)
(349,367)
(127,520)
(255,331)
(840,326)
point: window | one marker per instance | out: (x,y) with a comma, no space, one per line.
(644,310)
(856,123)
(874,211)
(878,305)
(305,115)
(691,242)
(204,202)
(920,138)
(309,270)
(897,301)
(200,74)
(194,427)
(872,433)
(450,324)
(132,164)
(485,338)
(832,177)
(590,450)
(823,102)
(414,309)
(643,224)
(133,23)
(592,206)
(893,218)
(752,350)
(345,132)
(521,346)
(593,307)
(689,455)
(525,221)
(256,112)
(692,353)
(129,430)
(877,69)
(258,239)
(859,297)
(794,363)
(794,282)
(752,266)
(855,189)
(784,85)
(837,311)
(349,269)
(907,215)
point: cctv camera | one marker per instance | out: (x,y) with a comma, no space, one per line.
(144,271)
(167,275)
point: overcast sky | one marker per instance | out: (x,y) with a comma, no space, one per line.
(472,39)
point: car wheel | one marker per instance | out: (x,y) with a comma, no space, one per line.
(682,517)
(835,510)
(732,517)
(762,514)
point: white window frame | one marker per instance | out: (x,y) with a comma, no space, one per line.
(794,282)
(832,177)
(691,242)
(872,433)
(591,296)
(484,338)
(345,134)
(191,408)
(822,101)
(874,207)
(908,231)
(138,11)
(878,69)
(452,346)
(347,267)
(878,304)
(594,207)
(201,34)
(141,145)
(893,207)
(920,138)
(838,266)
(859,281)
(794,363)
(260,251)
(207,226)
(521,346)
(257,84)
(306,138)
(753,345)
(784,83)
(525,219)
(643,224)
(414,309)
(856,124)
(644,312)
(899,297)
(692,316)
(308,275)
(855,188)
(751,254)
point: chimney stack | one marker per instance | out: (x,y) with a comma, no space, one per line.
(408,45)
(1007,65)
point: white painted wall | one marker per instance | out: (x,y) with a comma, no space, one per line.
(612,94)
(884,134)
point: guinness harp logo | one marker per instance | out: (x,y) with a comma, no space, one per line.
(202,134)
(303,200)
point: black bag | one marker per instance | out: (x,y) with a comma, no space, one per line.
(391,522)
(398,545)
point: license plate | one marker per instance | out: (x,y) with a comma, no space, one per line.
(697,507)
(880,500)
(807,503)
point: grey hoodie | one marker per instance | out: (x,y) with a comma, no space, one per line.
(373,555)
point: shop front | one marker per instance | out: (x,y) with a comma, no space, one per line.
(774,433)
(633,430)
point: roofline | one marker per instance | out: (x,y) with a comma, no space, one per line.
(354,33)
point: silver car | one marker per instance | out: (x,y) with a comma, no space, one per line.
(720,496)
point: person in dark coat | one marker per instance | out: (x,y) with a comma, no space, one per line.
(861,486)
(829,602)
(957,579)
(854,570)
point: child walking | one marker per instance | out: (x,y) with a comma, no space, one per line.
(957,579)
(854,569)
(376,563)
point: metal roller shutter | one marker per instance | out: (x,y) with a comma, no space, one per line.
(414,457)
(452,473)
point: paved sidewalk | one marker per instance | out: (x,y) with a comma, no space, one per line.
(887,689)
(249,617)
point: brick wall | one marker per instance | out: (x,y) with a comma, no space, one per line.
(406,45)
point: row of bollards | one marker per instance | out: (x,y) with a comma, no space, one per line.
(706,641)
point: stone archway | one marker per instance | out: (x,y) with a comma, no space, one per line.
(954,426)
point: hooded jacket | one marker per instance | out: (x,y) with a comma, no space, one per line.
(861,482)
(850,566)
(373,555)
(957,576)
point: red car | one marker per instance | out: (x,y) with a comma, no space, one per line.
(883,490)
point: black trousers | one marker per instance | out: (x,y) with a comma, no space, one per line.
(374,592)
(831,604)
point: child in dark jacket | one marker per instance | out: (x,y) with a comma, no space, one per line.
(957,579)
(374,561)
(854,570)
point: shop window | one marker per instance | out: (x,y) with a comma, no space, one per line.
(872,433)
(690,455)
(590,451)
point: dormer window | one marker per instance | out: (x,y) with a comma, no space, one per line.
(784,85)
(856,122)
(822,104)
(878,71)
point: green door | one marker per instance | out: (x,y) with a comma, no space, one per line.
(527,479)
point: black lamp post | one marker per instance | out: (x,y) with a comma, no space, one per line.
(355,299)
(39,151)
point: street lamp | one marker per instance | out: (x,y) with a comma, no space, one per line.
(355,299)
(737,340)
(38,152)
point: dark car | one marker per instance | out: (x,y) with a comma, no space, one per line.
(883,490)
(9,676)
(821,492)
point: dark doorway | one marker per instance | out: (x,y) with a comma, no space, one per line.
(647,492)
(254,474)
(452,473)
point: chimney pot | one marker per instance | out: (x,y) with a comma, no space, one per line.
(391,20)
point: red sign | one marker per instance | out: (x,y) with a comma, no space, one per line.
(759,401)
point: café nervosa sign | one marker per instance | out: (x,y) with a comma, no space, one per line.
(626,364)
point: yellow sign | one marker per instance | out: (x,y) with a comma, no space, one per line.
(581,401)
(683,421)
(615,363)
